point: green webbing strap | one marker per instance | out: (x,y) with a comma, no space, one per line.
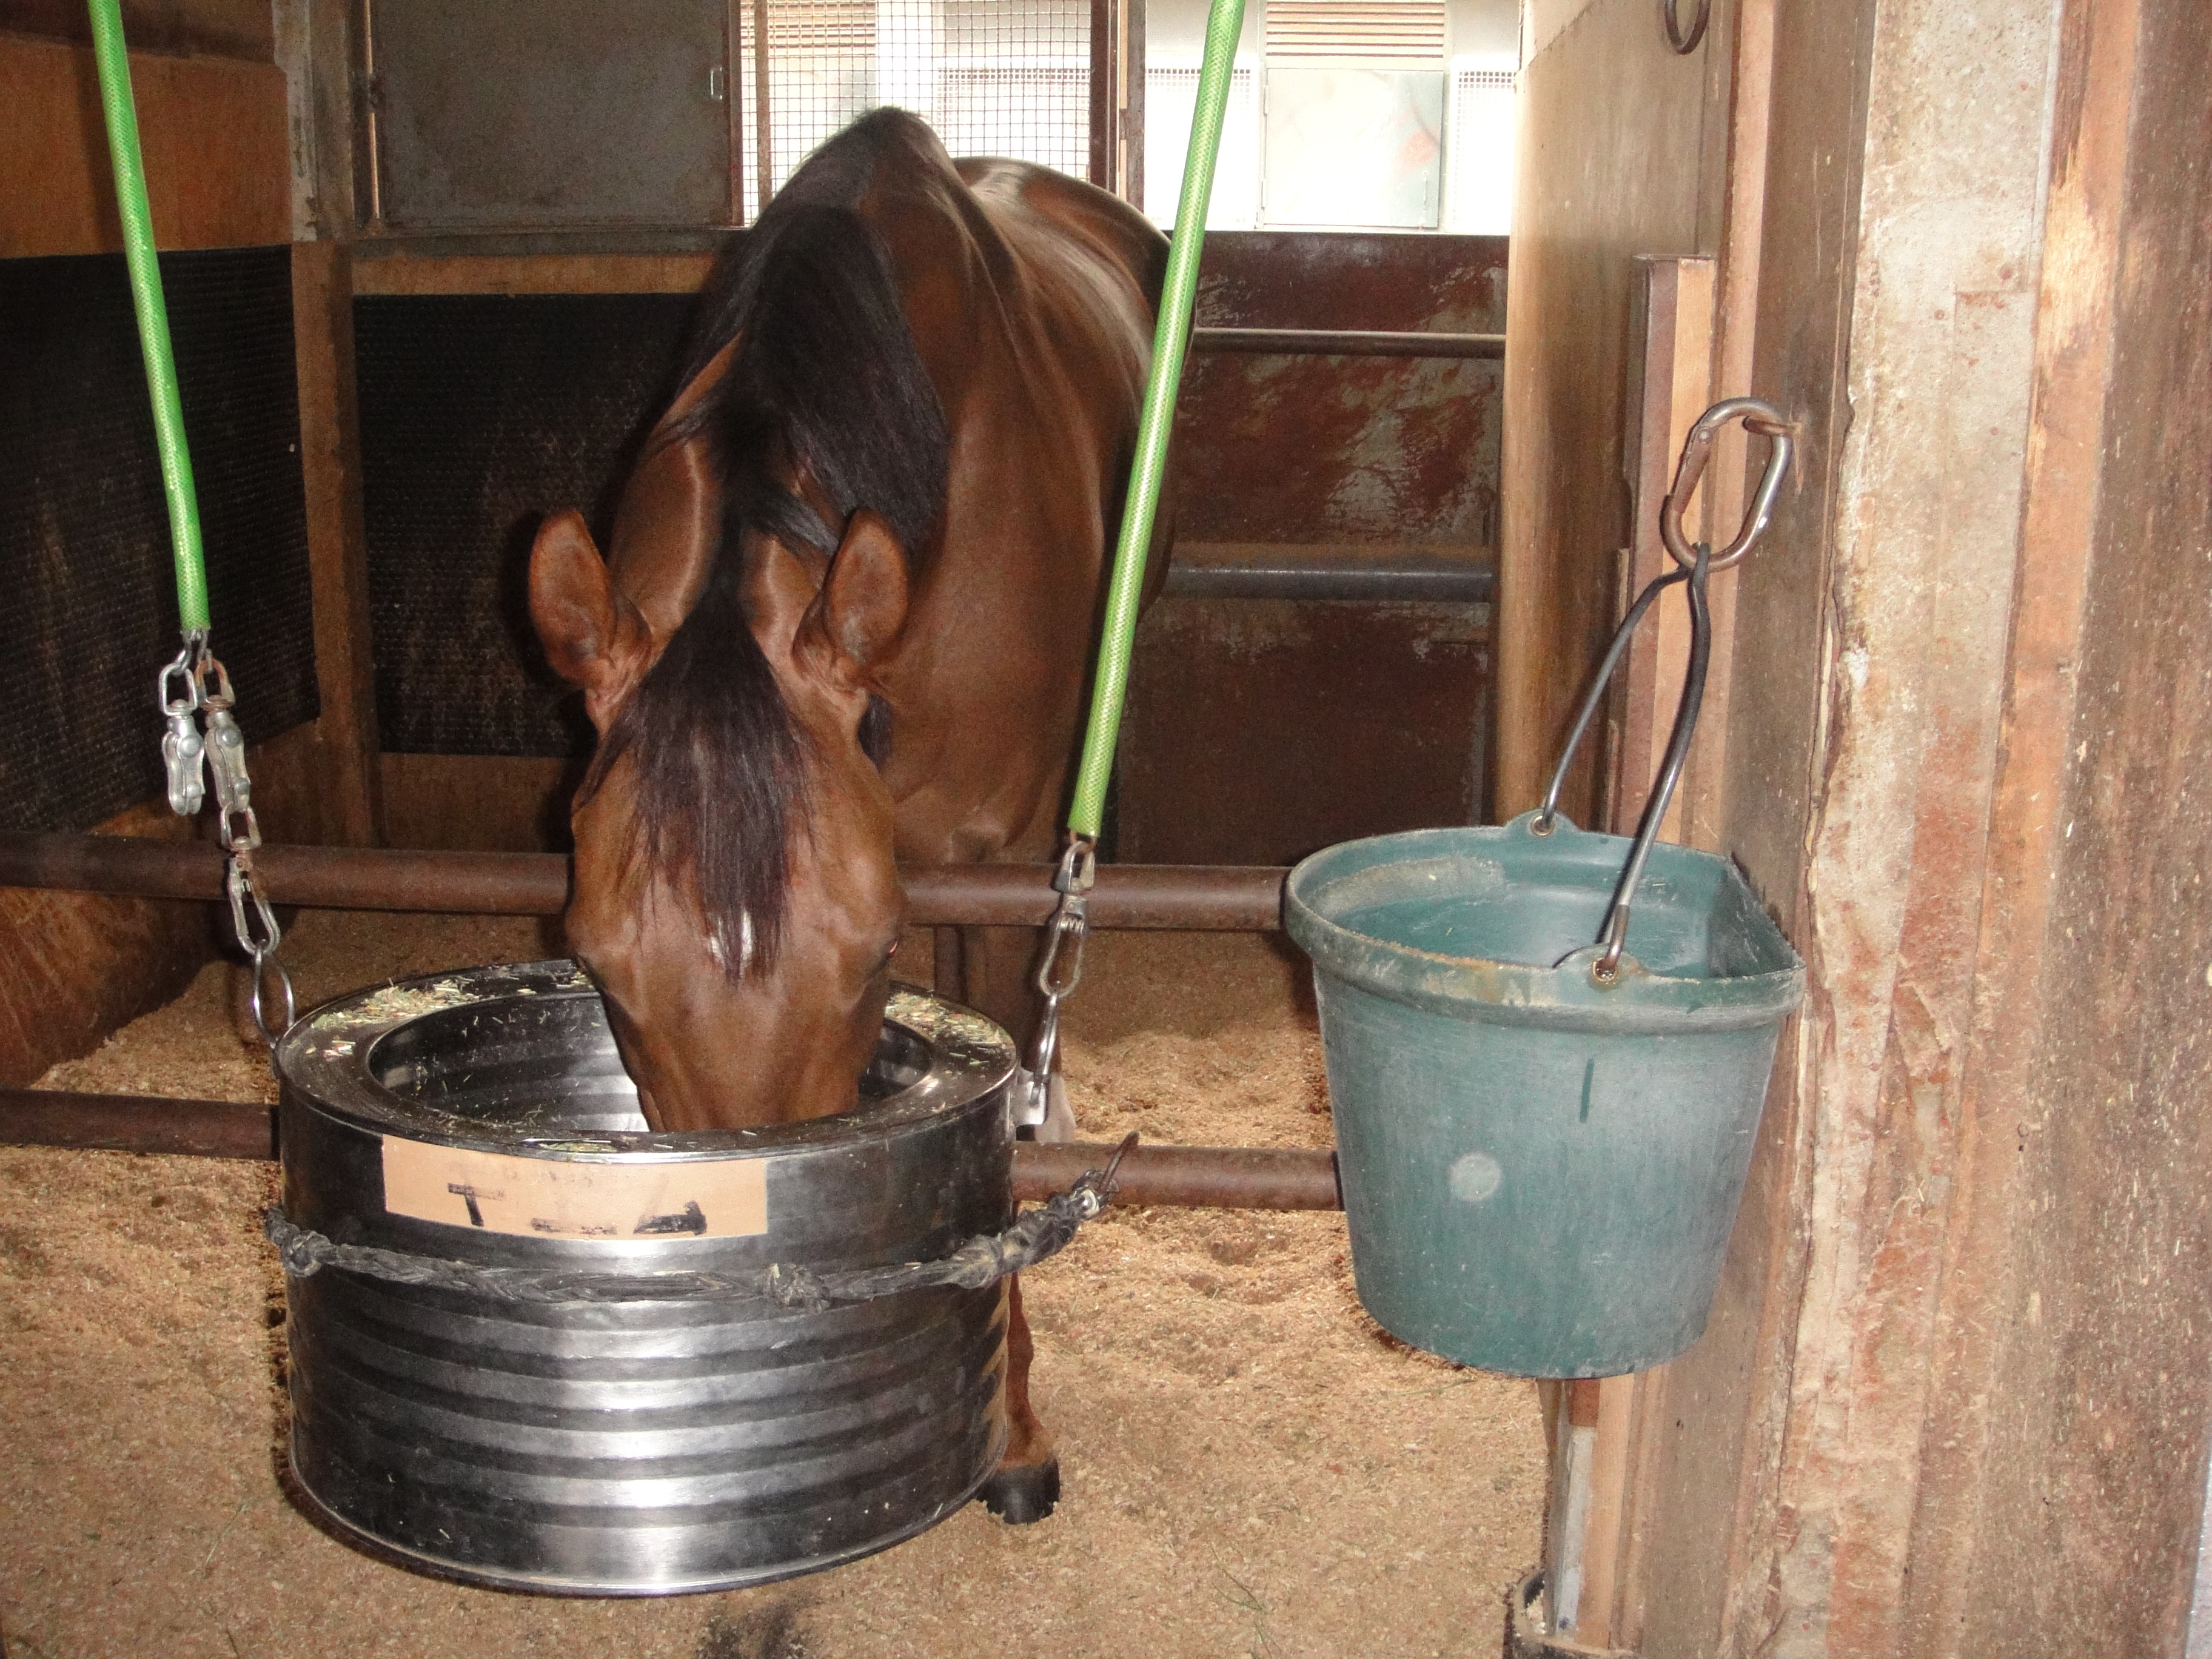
(1224,24)
(153,315)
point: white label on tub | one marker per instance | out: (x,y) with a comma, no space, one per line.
(560,1198)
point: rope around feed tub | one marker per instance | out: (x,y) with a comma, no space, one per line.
(980,1263)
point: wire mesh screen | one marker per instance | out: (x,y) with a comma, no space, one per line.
(479,414)
(84,529)
(994,77)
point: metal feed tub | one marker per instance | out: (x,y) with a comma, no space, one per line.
(650,1443)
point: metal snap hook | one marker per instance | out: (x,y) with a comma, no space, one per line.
(1757,416)
(265,965)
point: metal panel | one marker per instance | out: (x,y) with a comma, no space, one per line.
(1385,452)
(551,113)
(1260,730)
(1354,146)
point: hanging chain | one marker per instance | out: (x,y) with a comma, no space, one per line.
(212,747)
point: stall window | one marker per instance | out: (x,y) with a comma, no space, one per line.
(1343,114)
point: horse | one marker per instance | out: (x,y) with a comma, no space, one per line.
(846,619)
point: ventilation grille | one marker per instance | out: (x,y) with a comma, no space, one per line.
(84,531)
(1375,31)
(824,26)
(994,77)
(480,415)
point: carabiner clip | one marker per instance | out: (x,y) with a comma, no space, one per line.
(1757,416)
(177,695)
(184,756)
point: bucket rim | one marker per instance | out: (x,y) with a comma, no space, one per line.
(326,1061)
(1564,995)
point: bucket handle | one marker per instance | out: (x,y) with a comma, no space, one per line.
(1693,563)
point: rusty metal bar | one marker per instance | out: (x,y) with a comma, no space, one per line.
(1217,898)
(137,1123)
(328,878)
(1221,898)
(1206,1177)
(1187,1177)
(1346,342)
(1297,573)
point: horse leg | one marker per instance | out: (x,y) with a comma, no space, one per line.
(1026,1483)
(1000,974)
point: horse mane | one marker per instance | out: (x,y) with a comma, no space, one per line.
(826,385)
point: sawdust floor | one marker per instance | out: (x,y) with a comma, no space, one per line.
(1251,1467)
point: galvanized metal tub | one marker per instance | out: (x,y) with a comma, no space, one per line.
(637,1447)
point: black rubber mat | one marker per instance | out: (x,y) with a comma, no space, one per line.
(84,529)
(479,414)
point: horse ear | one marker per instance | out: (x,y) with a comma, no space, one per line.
(863,597)
(590,632)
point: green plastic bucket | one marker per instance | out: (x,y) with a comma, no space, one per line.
(1540,1170)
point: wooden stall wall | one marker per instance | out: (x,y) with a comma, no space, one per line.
(1631,154)
(1953,1399)
(2073,1385)
(1611,166)
(213,121)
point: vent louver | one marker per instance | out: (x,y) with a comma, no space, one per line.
(1391,31)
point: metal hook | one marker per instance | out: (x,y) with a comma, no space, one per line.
(1757,416)
(1685,44)
(266,963)
(1061,970)
(1697,452)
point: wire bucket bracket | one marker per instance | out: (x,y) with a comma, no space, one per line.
(1694,563)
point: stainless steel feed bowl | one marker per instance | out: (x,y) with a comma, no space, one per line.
(638,1447)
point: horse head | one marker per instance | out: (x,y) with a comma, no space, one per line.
(735,895)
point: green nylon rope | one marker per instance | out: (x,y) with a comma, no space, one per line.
(153,314)
(1223,26)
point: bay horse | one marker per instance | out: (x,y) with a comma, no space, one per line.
(847,620)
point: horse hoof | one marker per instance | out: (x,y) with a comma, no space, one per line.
(1024,1493)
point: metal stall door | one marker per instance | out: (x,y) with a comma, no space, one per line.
(529,114)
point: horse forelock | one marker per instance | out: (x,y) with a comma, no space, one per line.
(718,776)
(825,395)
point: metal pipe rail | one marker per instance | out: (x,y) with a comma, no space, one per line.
(1214,898)
(1346,342)
(1201,1178)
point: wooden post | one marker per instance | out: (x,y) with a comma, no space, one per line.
(1131,187)
(337,552)
(1670,386)
(1105,100)
(1593,1530)
(763,141)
